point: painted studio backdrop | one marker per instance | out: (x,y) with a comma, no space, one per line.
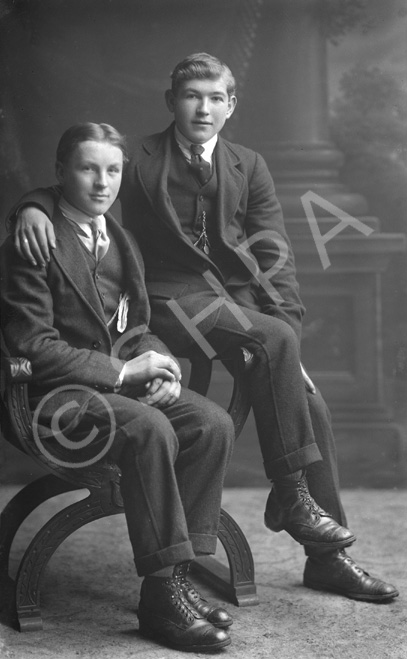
(322,95)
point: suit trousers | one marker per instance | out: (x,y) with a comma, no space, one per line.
(173,463)
(293,426)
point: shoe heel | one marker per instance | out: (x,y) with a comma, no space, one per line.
(147,631)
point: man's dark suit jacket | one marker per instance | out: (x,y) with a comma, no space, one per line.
(54,316)
(246,206)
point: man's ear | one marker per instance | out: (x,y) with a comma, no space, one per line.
(170,99)
(231,106)
(59,172)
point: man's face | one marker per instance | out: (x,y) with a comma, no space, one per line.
(91,177)
(201,108)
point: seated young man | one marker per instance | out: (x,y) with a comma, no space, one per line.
(210,228)
(83,323)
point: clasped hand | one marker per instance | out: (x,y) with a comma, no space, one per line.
(34,236)
(160,374)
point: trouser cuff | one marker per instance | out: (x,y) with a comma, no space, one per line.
(203,543)
(164,558)
(294,461)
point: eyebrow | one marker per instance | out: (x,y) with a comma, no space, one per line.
(95,162)
(212,93)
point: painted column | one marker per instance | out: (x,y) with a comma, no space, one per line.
(284,111)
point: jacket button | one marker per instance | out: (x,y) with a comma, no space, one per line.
(201,197)
(97,344)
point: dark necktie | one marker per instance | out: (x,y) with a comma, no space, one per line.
(200,167)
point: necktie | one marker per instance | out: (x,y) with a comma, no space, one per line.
(101,240)
(200,167)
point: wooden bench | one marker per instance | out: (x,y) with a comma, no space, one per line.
(102,480)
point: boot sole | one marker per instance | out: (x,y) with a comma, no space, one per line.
(354,596)
(155,635)
(224,625)
(340,544)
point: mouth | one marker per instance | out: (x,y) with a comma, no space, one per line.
(202,123)
(99,197)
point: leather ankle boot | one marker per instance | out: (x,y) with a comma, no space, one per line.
(337,572)
(217,616)
(165,615)
(291,507)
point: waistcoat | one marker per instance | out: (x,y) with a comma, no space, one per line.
(108,277)
(190,200)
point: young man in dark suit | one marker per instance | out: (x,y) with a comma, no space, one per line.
(83,321)
(220,273)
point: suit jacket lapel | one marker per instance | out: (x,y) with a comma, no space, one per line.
(230,183)
(73,263)
(153,174)
(133,267)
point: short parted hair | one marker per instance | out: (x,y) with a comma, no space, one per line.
(85,132)
(202,66)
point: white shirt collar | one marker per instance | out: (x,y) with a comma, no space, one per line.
(79,217)
(185,145)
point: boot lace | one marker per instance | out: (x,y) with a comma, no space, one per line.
(193,595)
(179,601)
(347,559)
(307,499)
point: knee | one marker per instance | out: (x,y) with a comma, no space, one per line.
(222,424)
(152,431)
(285,335)
(223,431)
(277,338)
(216,425)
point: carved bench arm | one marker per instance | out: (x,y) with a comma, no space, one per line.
(18,369)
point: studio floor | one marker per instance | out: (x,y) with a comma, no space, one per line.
(90,591)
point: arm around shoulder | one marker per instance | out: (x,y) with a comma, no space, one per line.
(33,231)
(42,198)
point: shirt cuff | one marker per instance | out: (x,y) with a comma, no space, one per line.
(119,382)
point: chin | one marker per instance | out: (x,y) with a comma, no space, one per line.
(99,209)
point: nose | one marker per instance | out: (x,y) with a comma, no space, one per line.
(203,107)
(101,179)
